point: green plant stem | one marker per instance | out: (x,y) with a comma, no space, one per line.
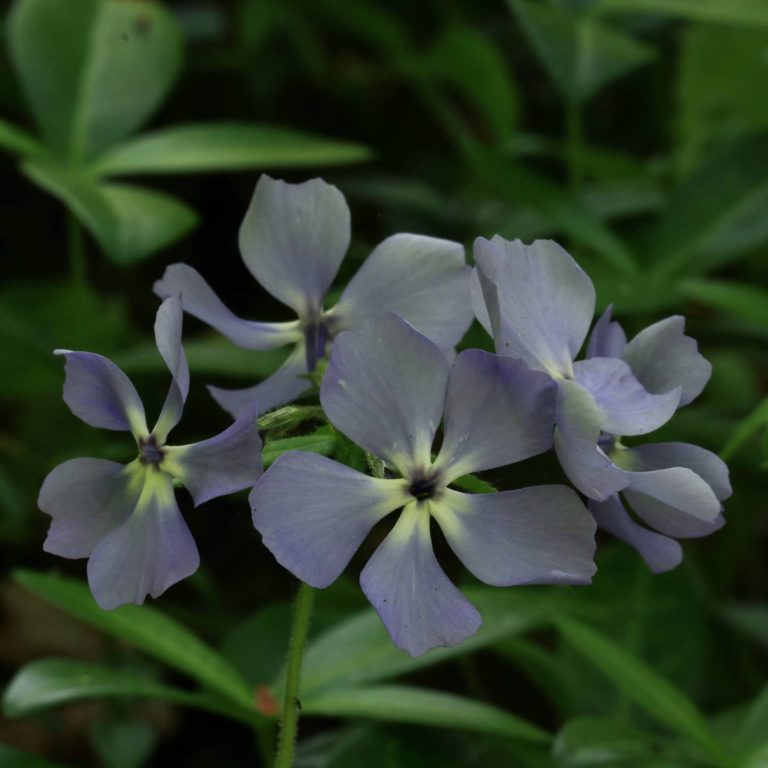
(574,144)
(290,719)
(76,245)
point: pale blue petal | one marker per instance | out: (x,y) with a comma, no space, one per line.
(579,423)
(670,520)
(677,487)
(425,280)
(627,407)
(539,535)
(497,411)
(168,327)
(416,601)
(99,393)
(385,390)
(199,300)
(293,238)
(661,553)
(663,357)
(314,513)
(607,338)
(152,550)
(86,499)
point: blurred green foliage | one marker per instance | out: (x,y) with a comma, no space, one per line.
(633,131)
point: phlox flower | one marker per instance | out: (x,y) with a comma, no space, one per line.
(292,240)
(124,518)
(387,388)
(538,304)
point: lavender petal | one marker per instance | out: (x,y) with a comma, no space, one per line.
(314,513)
(168,327)
(607,338)
(415,600)
(539,535)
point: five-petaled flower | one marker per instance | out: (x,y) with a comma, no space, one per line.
(387,388)
(124,518)
(538,304)
(293,239)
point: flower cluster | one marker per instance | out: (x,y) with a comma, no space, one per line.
(426,416)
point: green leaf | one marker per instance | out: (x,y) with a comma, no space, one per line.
(322,441)
(747,302)
(198,147)
(641,684)
(94,74)
(146,629)
(747,12)
(589,742)
(123,741)
(15,758)
(718,213)
(403,704)
(580,53)
(474,484)
(20,142)
(360,650)
(462,58)
(751,738)
(47,683)
(716,93)
(753,423)
(129,223)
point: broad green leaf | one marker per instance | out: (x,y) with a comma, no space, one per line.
(641,684)
(123,741)
(146,629)
(748,302)
(754,422)
(211,356)
(15,758)
(462,57)
(16,140)
(751,738)
(94,74)
(580,53)
(322,441)
(403,704)
(360,650)
(129,223)
(49,682)
(716,93)
(199,147)
(718,213)
(590,742)
(747,12)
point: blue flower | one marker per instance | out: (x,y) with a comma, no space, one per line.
(124,518)
(292,240)
(538,304)
(388,388)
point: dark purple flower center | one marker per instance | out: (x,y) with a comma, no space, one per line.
(423,487)
(317,333)
(606,442)
(149,451)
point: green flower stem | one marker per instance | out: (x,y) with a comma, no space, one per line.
(290,720)
(76,245)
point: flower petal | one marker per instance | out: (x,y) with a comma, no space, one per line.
(677,487)
(578,421)
(663,357)
(418,604)
(199,300)
(607,338)
(152,550)
(670,520)
(168,326)
(425,280)
(385,389)
(99,393)
(293,238)
(661,553)
(226,463)
(314,513)
(87,498)
(479,302)
(281,387)
(707,465)
(497,411)
(539,535)
(628,408)
(546,301)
